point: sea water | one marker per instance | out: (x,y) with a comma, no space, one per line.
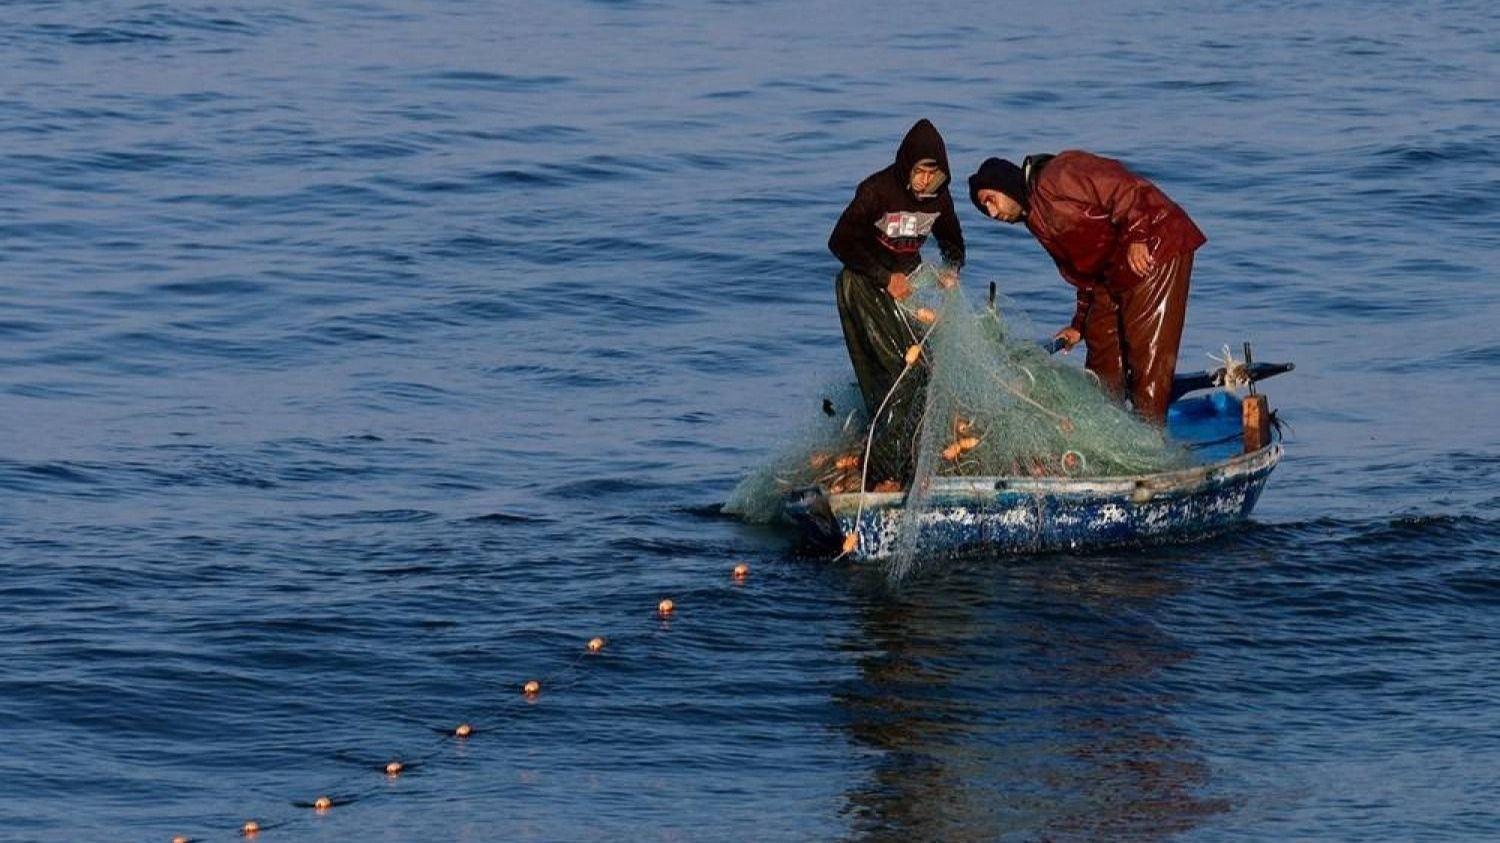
(359,361)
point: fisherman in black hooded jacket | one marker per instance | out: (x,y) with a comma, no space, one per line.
(878,238)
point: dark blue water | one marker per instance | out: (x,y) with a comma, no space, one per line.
(362,360)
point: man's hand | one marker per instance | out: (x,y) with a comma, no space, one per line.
(1070,337)
(899,288)
(1139,257)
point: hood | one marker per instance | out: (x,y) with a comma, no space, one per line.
(1031,168)
(923,142)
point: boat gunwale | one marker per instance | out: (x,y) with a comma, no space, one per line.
(1178,480)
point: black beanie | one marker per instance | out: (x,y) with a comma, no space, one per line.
(998,174)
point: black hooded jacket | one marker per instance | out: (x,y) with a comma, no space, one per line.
(884,227)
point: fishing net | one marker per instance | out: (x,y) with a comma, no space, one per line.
(826,452)
(996,404)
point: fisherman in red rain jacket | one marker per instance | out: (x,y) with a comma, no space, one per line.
(878,238)
(1126,247)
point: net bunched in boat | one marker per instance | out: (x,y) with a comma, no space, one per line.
(826,453)
(995,405)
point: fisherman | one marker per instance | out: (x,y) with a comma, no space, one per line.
(1125,246)
(878,238)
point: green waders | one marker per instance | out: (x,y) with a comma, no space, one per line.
(878,334)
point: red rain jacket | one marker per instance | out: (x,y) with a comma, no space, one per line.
(1086,210)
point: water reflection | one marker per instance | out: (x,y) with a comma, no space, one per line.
(1024,701)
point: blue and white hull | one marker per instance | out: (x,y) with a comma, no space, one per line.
(1012,515)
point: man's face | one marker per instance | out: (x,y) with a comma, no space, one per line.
(924,177)
(999,206)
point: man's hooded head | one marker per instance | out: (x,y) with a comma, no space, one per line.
(923,146)
(1002,176)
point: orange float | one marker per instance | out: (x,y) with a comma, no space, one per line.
(595,645)
(666,607)
(531,688)
(1072,462)
(741,571)
(394,768)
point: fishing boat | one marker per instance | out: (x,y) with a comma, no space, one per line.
(1230,434)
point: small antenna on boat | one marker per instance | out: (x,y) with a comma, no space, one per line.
(992,295)
(1248,361)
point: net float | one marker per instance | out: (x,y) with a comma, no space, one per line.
(596,644)
(666,607)
(926,316)
(250,828)
(322,804)
(394,768)
(740,571)
(1072,462)
(912,354)
(463,730)
(531,688)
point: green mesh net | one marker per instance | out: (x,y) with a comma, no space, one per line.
(826,452)
(1000,405)
(996,405)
